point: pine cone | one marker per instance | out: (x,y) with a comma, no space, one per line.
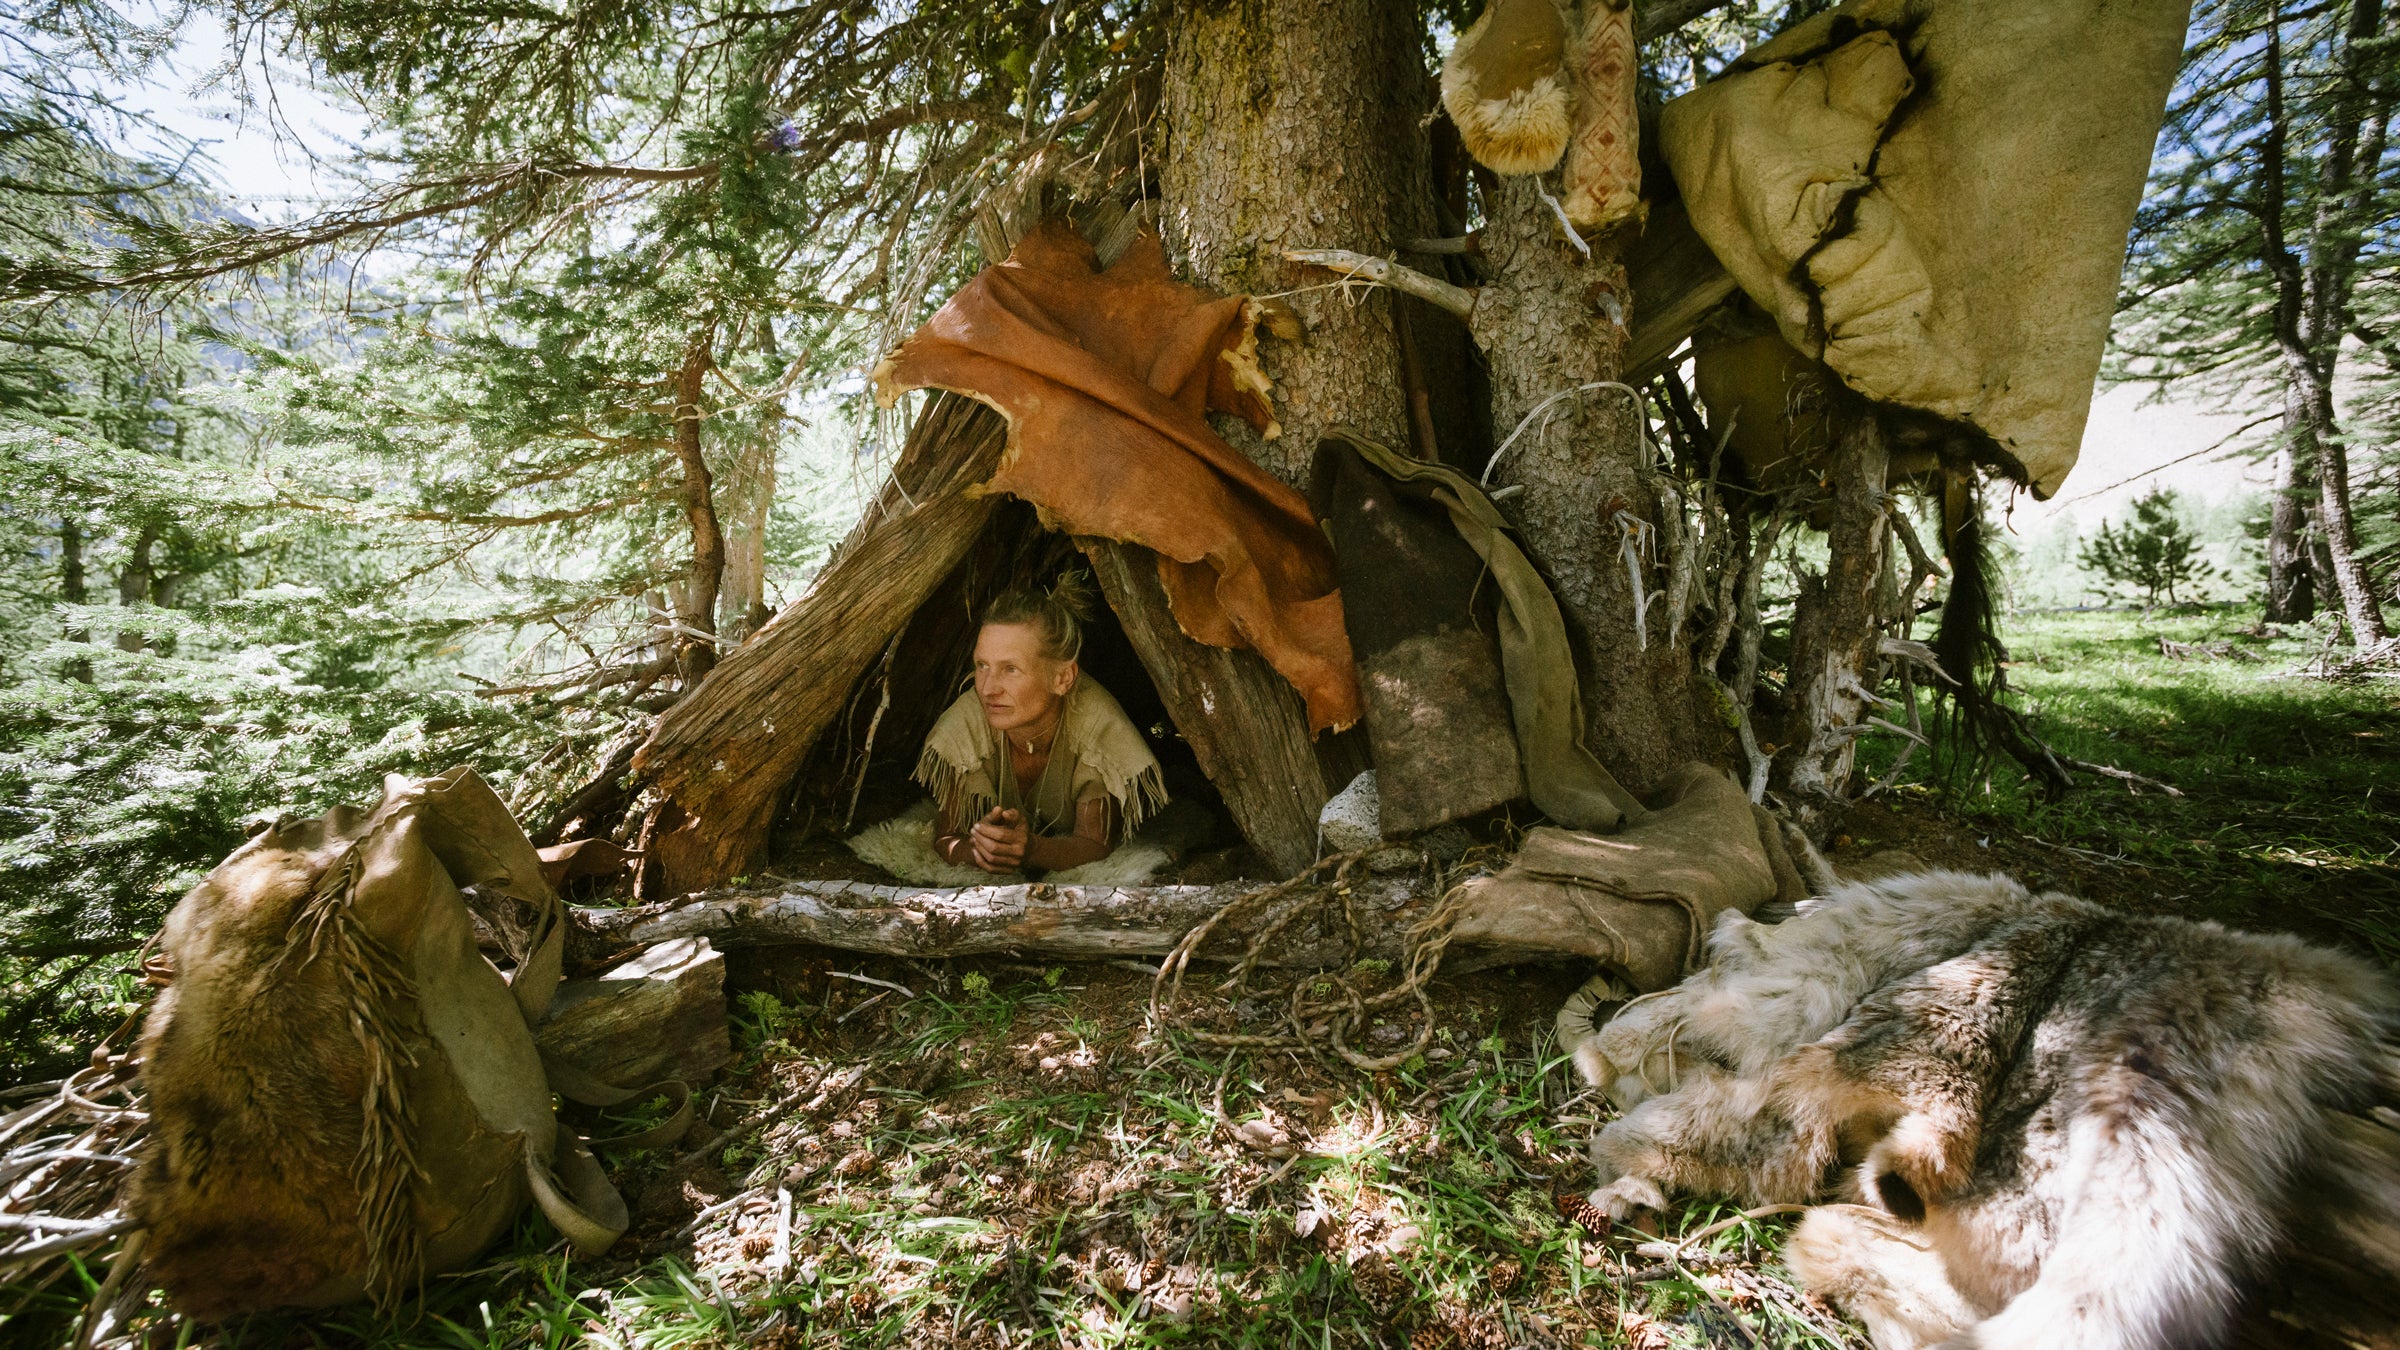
(1479,1331)
(1505,1274)
(1455,1328)
(1644,1333)
(1581,1212)
(1380,1285)
(864,1300)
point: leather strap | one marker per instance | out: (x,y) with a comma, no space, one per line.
(577,1086)
(575,1195)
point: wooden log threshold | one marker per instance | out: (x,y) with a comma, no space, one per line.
(1071,922)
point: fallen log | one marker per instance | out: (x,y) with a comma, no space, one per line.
(1072,922)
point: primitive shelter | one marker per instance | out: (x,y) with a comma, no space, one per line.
(1924,202)
(898,597)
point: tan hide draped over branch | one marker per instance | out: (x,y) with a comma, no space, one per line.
(1106,378)
(1507,88)
(1933,196)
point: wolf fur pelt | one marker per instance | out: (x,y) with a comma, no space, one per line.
(2051,1124)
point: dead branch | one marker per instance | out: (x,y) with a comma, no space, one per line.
(1658,20)
(1918,559)
(2133,782)
(1077,922)
(1384,272)
(1916,654)
(577,686)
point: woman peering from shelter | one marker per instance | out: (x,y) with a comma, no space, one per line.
(1036,766)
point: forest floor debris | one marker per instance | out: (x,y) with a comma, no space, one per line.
(1011,1156)
(995,1152)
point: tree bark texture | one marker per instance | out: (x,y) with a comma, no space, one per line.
(1243,721)
(657,1016)
(723,755)
(1550,322)
(1836,622)
(2291,586)
(745,495)
(2335,524)
(1294,124)
(699,591)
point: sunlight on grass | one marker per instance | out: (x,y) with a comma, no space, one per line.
(1003,1163)
(997,1156)
(2290,816)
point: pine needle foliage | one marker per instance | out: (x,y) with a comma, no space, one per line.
(2153,551)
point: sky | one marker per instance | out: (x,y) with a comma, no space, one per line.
(2133,443)
(265,156)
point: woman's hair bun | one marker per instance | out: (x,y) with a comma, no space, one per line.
(1075,593)
(1058,612)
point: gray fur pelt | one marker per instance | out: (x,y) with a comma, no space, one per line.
(2053,1124)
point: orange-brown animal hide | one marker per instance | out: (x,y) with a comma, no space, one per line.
(1106,378)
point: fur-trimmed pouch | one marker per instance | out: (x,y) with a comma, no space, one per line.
(344,1093)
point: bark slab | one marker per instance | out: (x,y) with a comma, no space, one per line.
(1244,722)
(723,755)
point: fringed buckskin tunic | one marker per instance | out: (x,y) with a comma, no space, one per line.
(1098,753)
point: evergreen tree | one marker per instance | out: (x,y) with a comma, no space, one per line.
(2262,265)
(2154,552)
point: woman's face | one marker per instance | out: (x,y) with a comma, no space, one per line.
(1017,685)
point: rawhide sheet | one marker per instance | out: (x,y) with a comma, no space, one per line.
(1106,378)
(1934,198)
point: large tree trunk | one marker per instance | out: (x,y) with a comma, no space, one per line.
(1545,323)
(1294,124)
(2291,586)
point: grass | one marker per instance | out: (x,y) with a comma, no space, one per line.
(2290,813)
(1009,1155)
